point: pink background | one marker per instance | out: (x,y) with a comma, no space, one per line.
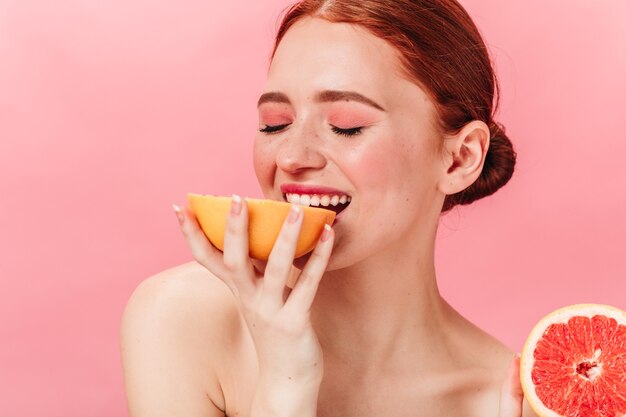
(110,111)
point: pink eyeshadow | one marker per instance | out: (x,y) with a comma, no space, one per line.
(349,115)
(348,120)
(273,118)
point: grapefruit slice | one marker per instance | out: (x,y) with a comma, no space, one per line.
(574,363)
(265,220)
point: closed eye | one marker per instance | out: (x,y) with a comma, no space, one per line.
(273,129)
(354,131)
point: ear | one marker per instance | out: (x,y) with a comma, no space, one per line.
(464,157)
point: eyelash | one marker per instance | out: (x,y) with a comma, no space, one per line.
(348,132)
(272,129)
(342,132)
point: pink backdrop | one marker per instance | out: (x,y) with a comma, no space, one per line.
(111,110)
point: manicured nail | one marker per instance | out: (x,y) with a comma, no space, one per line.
(235,207)
(179,214)
(294,214)
(326,233)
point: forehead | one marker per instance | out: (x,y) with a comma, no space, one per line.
(325,55)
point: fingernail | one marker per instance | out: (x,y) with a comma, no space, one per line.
(235,207)
(294,214)
(326,233)
(179,214)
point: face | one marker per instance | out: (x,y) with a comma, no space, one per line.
(337,112)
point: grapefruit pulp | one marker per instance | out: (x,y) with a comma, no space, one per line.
(265,220)
(574,363)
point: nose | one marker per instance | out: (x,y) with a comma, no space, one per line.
(300,151)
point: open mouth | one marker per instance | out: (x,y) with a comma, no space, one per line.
(336,203)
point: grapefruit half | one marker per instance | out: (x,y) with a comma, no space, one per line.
(574,363)
(265,220)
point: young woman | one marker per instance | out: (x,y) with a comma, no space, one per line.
(389,103)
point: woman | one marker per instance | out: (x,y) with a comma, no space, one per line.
(389,103)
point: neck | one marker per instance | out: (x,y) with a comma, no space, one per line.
(378,310)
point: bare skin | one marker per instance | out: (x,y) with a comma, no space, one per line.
(370,334)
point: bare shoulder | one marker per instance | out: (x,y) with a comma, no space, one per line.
(487,361)
(174,333)
(183,291)
(497,360)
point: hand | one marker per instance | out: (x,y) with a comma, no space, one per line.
(512,396)
(288,350)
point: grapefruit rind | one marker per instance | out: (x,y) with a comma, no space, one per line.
(561,315)
(265,221)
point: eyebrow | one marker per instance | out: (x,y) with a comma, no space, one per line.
(326,96)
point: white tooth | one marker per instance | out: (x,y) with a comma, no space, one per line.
(325,200)
(343,199)
(305,200)
(349,199)
(315,200)
(334,200)
(295,199)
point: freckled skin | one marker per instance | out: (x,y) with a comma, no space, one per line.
(391,344)
(373,167)
(393,170)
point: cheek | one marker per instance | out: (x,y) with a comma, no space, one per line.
(382,165)
(263,159)
(396,173)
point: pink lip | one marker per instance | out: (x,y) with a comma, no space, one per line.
(310,189)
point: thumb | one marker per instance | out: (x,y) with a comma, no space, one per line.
(511,396)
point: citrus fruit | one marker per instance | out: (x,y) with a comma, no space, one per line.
(265,220)
(574,363)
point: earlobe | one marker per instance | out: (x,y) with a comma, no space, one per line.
(465,157)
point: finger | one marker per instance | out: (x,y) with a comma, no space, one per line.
(303,293)
(281,257)
(236,258)
(511,395)
(202,250)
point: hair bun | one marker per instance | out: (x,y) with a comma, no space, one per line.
(497,171)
